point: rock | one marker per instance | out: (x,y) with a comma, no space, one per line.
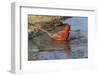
(46,22)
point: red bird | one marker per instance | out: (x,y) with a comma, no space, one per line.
(61,35)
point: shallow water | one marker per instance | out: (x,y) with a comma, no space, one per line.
(44,48)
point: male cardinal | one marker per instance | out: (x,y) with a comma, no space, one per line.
(61,35)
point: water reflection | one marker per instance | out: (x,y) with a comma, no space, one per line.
(48,49)
(65,45)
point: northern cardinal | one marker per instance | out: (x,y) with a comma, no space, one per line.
(61,35)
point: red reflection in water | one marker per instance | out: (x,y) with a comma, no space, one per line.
(64,44)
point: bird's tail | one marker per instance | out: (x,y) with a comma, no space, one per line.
(50,34)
